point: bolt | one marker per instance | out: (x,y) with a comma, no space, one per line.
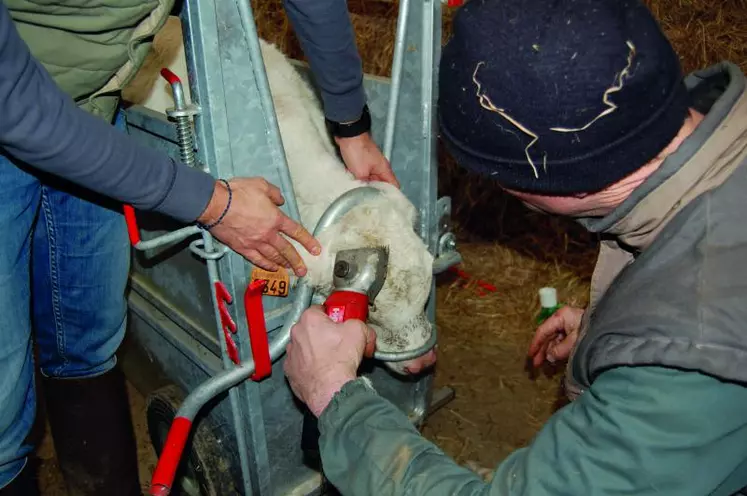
(186,143)
(181,114)
(342,269)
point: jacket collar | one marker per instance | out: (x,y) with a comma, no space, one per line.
(641,216)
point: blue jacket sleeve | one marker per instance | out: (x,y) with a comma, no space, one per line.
(646,431)
(41,126)
(328,41)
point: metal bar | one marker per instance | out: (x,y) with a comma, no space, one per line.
(401,356)
(169,238)
(397,68)
(441,397)
(271,122)
(428,69)
(446,261)
(206,127)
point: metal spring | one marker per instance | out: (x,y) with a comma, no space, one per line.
(186,141)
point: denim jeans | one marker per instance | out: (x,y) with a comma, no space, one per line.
(64,263)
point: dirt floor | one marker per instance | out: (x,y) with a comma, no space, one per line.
(499,405)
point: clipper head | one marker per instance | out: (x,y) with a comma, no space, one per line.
(362,270)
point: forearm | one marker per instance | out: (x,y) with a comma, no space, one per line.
(328,41)
(369,447)
(41,126)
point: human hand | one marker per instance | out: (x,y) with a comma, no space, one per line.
(556,337)
(364,159)
(322,356)
(253,224)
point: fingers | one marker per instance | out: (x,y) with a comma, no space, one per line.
(274,194)
(289,254)
(561,350)
(362,332)
(387,175)
(370,348)
(571,317)
(540,355)
(259,260)
(545,331)
(271,254)
(299,233)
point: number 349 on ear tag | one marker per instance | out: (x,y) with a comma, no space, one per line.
(278,283)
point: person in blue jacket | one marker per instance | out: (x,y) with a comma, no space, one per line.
(579,108)
(65,259)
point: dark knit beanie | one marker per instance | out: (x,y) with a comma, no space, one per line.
(530,77)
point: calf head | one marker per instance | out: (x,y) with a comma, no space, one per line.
(398,312)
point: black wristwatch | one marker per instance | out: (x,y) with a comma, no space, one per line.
(350,129)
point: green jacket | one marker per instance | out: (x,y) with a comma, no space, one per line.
(91,48)
(644,431)
(664,411)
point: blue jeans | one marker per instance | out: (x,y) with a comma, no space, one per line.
(64,263)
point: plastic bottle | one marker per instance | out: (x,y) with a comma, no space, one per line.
(548,303)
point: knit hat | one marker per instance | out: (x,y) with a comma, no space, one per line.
(558,96)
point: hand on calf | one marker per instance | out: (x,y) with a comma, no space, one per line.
(253,223)
(322,356)
(365,161)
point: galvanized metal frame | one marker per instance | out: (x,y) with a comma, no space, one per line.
(237,135)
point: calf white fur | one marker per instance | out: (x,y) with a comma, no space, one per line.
(319,177)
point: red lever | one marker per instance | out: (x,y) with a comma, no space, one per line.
(223,296)
(255,320)
(455,3)
(163,475)
(345,305)
(131,221)
(170,76)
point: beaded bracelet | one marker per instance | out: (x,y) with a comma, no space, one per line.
(225,210)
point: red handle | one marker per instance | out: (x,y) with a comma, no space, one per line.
(163,475)
(255,320)
(170,76)
(131,221)
(345,305)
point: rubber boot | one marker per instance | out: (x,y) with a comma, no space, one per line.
(93,434)
(25,484)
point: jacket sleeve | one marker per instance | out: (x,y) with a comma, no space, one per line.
(41,126)
(645,431)
(326,35)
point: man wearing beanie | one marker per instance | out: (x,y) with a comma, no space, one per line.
(579,108)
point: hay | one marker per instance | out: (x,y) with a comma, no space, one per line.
(483,339)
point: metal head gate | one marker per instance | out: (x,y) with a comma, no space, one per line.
(181,313)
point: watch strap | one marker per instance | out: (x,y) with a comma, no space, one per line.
(350,129)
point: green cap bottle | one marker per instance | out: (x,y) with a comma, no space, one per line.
(548,303)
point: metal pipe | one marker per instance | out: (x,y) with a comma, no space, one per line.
(172,237)
(445,261)
(265,97)
(397,68)
(401,356)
